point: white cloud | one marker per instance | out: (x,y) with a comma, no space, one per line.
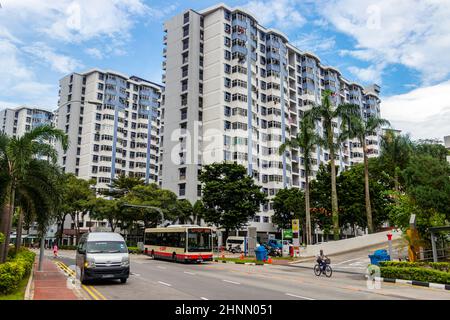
(314,43)
(94,52)
(424,112)
(281,14)
(58,62)
(414,33)
(371,74)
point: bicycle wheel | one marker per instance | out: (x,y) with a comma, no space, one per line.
(328,271)
(317,270)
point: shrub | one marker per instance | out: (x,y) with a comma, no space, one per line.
(441,266)
(414,273)
(134,250)
(15,269)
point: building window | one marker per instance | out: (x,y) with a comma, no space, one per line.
(227,82)
(182,189)
(227,68)
(227,41)
(227,97)
(185,43)
(266,219)
(99,96)
(186,17)
(227,55)
(256,218)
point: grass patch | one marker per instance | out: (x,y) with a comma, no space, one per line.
(19,294)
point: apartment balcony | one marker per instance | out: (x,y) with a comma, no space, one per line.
(240,23)
(273,43)
(240,36)
(111,81)
(273,55)
(330,77)
(307,75)
(311,64)
(238,48)
(273,67)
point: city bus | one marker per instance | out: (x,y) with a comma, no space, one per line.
(182,243)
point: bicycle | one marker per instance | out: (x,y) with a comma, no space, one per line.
(324,268)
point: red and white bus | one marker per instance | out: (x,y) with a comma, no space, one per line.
(181,243)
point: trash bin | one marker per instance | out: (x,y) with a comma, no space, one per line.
(379,255)
(261,253)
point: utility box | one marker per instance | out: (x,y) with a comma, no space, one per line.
(251,241)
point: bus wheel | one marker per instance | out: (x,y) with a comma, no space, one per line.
(174,256)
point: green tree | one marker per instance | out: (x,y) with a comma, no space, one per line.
(306,140)
(326,113)
(198,211)
(360,129)
(288,204)
(230,196)
(122,185)
(155,199)
(110,210)
(396,150)
(431,147)
(16,154)
(78,199)
(321,213)
(183,212)
(351,191)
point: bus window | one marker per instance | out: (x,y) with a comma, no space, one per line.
(199,240)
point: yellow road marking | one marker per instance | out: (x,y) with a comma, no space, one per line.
(93,292)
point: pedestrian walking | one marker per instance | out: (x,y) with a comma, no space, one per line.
(55,251)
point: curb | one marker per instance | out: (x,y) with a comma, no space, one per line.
(29,291)
(246,263)
(440,286)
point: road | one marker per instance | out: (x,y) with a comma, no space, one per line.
(160,280)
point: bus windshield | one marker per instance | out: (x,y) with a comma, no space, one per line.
(199,240)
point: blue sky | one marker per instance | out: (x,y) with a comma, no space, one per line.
(403,45)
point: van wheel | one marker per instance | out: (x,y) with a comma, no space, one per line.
(123,280)
(82,278)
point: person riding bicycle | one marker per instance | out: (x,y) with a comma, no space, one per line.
(322,260)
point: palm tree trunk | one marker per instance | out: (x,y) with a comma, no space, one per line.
(366,188)
(6,220)
(396,186)
(308,213)
(19,230)
(334,199)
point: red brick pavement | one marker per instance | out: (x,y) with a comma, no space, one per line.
(51,283)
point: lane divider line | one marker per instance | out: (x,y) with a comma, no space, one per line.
(301,297)
(229,281)
(203,298)
(93,292)
(164,283)
(191,273)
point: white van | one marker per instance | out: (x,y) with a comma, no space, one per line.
(234,241)
(102,255)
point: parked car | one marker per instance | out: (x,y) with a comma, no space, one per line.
(102,255)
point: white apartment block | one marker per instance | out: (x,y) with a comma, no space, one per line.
(235,91)
(17,121)
(113,125)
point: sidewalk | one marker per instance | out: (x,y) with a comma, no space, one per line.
(51,283)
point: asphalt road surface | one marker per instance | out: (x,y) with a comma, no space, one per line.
(160,280)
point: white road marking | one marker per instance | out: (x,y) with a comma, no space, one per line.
(161,267)
(203,298)
(164,283)
(135,274)
(301,297)
(342,262)
(191,273)
(229,281)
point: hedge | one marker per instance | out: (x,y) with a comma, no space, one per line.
(17,267)
(134,250)
(414,273)
(441,266)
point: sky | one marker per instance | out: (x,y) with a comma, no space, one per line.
(402,45)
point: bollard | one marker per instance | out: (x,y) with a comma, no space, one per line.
(389,236)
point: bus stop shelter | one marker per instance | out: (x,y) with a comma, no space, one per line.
(433,231)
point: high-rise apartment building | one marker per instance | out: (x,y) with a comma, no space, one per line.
(17,121)
(113,125)
(235,91)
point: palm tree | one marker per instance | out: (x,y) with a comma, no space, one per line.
(306,140)
(326,112)
(16,157)
(360,128)
(395,152)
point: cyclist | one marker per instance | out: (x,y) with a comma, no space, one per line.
(322,260)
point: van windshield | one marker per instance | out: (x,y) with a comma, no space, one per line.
(106,247)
